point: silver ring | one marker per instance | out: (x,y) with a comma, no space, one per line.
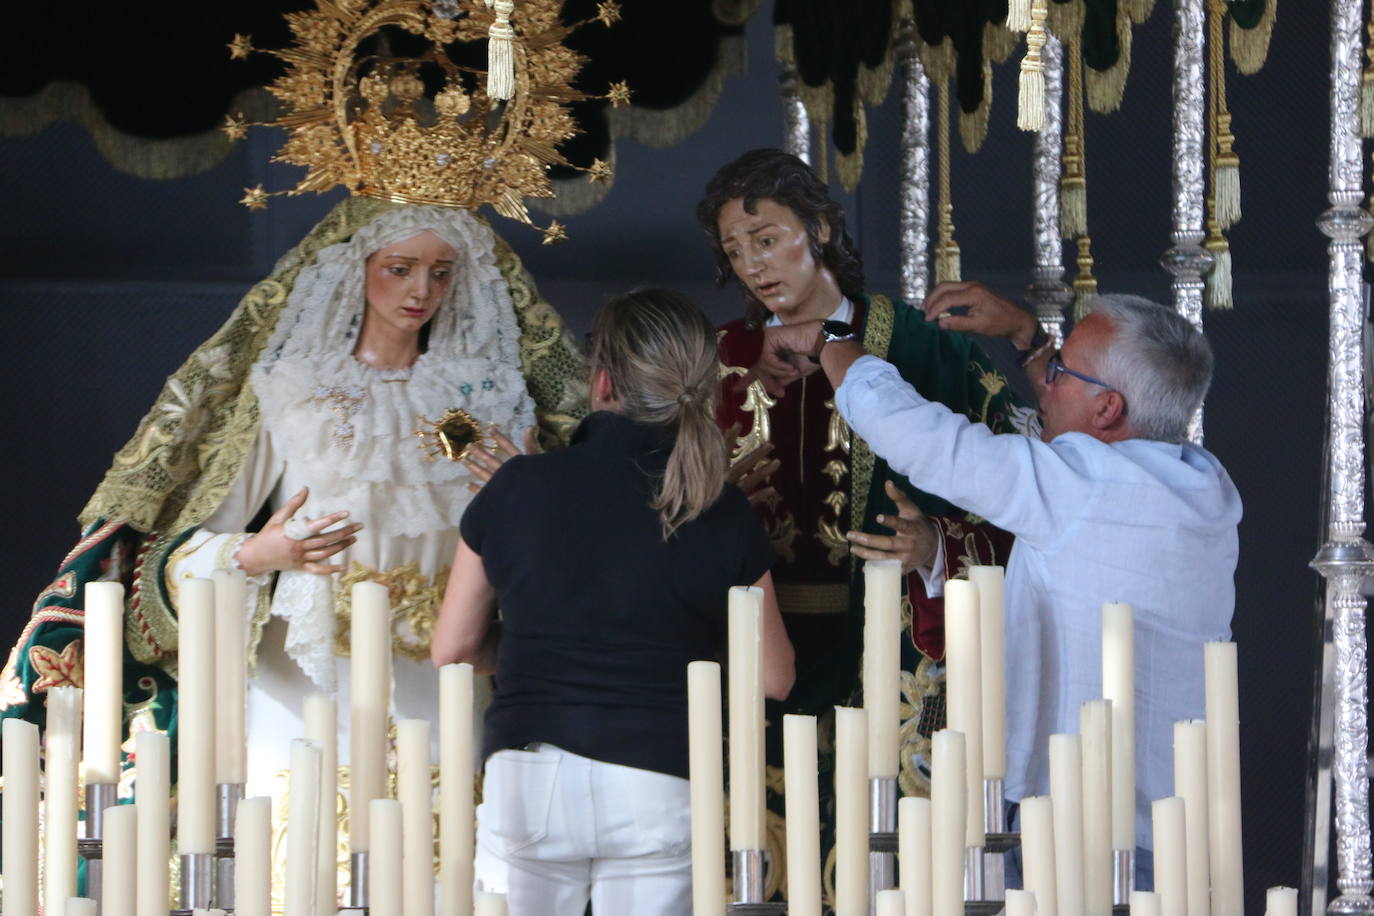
(297,529)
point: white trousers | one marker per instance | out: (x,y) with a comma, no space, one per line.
(555,830)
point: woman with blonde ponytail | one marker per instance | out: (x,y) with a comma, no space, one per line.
(610,562)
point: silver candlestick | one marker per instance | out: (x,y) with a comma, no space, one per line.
(228,796)
(1123,876)
(751,866)
(99,796)
(882,837)
(357,883)
(197,881)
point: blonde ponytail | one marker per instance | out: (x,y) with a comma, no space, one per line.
(660,352)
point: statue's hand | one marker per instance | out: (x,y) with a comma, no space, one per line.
(287,542)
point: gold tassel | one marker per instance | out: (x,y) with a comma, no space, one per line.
(1019,15)
(1218,293)
(1226,179)
(1250,47)
(1106,88)
(947,268)
(973,125)
(1030,103)
(1066,19)
(1073,206)
(937,59)
(849,167)
(1084,284)
(1225,164)
(999,42)
(1073,186)
(501,52)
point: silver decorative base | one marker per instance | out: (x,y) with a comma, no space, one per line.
(228,796)
(749,868)
(1123,876)
(357,881)
(974,889)
(91,847)
(882,825)
(197,880)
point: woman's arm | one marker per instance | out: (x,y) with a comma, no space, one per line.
(464,631)
(779,660)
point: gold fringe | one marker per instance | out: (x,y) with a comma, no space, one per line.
(783,48)
(1105,88)
(849,167)
(999,42)
(973,126)
(1073,206)
(819,101)
(734,12)
(1218,295)
(1226,184)
(947,267)
(1019,15)
(1066,19)
(1030,102)
(874,84)
(1250,47)
(937,59)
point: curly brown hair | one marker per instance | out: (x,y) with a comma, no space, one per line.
(771,174)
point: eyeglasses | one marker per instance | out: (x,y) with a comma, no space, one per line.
(1055,368)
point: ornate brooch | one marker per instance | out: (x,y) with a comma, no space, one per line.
(451,436)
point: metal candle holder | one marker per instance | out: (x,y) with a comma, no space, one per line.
(227,798)
(1123,876)
(357,883)
(99,796)
(882,837)
(994,824)
(750,867)
(197,882)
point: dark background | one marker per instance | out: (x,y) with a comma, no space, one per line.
(107,282)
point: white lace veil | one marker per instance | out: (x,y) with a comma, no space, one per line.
(325,307)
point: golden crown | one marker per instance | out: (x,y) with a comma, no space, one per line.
(382,97)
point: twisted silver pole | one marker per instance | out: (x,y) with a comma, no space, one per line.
(796,136)
(1048,294)
(914,188)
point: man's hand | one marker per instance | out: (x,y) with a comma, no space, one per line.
(751,472)
(913,542)
(776,367)
(971,306)
(482,463)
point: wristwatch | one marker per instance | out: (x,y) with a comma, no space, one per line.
(831,332)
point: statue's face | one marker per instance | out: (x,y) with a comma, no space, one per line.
(407,280)
(770,253)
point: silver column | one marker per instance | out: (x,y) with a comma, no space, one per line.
(796,137)
(1048,294)
(914,189)
(1346,559)
(1186,259)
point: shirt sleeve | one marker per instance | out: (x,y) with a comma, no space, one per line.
(476,517)
(1020,484)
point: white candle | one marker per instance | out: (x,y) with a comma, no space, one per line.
(196,724)
(1171,856)
(369,700)
(118,893)
(851,812)
(948,801)
(231,675)
(1037,851)
(964,695)
(1022,903)
(888,902)
(321,715)
(253,857)
(1146,903)
(1066,793)
(61,754)
(489,904)
(413,790)
(992,631)
(79,906)
(152,794)
(1095,727)
(303,829)
(103,647)
(882,664)
(707,774)
(384,859)
(455,790)
(1223,778)
(20,800)
(746,718)
(1118,685)
(913,853)
(800,777)
(1190,784)
(1281,901)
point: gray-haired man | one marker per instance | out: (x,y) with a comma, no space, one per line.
(1112,505)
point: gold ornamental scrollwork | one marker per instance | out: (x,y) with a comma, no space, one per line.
(414,598)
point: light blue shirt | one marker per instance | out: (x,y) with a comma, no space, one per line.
(1149,523)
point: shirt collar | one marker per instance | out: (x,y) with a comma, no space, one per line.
(844,312)
(613,432)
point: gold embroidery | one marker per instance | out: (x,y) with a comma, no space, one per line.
(836,501)
(830,535)
(758,403)
(837,433)
(835,469)
(57,669)
(878,325)
(415,601)
(345,402)
(993,383)
(782,533)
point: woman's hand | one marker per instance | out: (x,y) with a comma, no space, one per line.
(483,463)
(914,539)
(751,472)
(272,550)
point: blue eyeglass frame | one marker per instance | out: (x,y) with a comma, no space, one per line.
(1055,367)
